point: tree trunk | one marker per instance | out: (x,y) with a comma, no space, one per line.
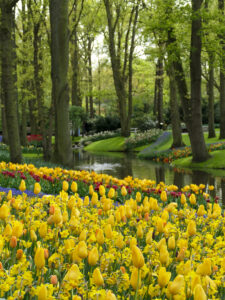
(8,80)
(60,89)
(23,131)
(199,150)
(5,138)
(210,90)
(90,79)
(175,114)
(155,104)
(86,102)
(160,93)
(222,77)
(76,95)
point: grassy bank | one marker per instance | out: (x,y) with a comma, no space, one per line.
(115,144)
(216,161)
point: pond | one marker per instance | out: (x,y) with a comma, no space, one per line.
(121,165)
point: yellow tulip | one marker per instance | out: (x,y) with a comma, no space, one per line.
(183,199)
(82,249)
(140,232)
(199,293)
(201,211)
(74,187)
(160,225)
(171,243)
(83,235)
(205,268)
(120,242)
(86,200)
(191,228)
(111,193)
(176,286)
(135,283)
(123,191)
(76,297)
(164,255)
(100,237)
(110,296)
(149,237)
(164,277)
(57,217)
(4,212)
(133,242)
(91,190)
(138,197)
(43,293)
(7,231)
(97,277)
(43,229)
(39,258)
(93,257)
(73,274)
(37,188)
(163,196)
(33,235)
(94,198)
(108,231)
(65,185)
(9,195)
(137,257)
(101,190)
(17,229)
(192,199)
(22,186)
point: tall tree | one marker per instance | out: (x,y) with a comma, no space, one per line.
(60,90)
(191,104)
(121,43)
(222,74)
(8,77)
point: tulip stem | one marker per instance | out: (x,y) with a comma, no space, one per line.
(136,294)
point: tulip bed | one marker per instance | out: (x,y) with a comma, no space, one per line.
(157,243)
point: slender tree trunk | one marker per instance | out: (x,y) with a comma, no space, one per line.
(60,89)
(4,125)
(86,102)
(23,132)
(160,93)
(99,87)
(8,79)
(175,114)
(76,95)
(222,78)
(90,79)
(210,91)
(199,150)
(155,105)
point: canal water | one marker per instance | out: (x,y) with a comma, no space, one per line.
(121,165)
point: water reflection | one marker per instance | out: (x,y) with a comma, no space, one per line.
(122,165)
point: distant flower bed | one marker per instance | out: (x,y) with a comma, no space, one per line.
(173,154)
(142,138)
(159,243)
(99,136)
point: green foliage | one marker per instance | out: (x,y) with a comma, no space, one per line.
(77,117)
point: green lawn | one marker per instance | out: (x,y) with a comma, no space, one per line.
(32,155)
(140,148)
(108,145)
(217,161)
(186,140)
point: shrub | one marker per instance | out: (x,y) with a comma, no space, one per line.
(141,139)
(99,136)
